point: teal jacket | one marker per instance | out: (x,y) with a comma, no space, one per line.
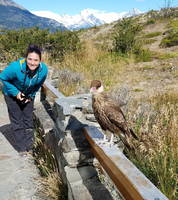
(17,78)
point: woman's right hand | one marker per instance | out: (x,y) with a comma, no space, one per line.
(20,96)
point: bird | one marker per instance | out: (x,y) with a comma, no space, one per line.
(109,115)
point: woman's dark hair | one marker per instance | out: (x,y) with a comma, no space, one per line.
(33,48)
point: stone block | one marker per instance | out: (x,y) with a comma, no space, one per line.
(83,183)
(78,158)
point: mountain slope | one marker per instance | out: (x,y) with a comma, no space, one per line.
(13,16)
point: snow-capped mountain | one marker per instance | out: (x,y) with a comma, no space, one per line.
(14,16)
(87,17)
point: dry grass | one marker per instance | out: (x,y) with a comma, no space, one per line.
(157,152)
(92,63)
(53,188)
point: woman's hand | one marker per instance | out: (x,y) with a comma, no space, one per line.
(21,97)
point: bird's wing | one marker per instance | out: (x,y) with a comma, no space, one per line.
(116,116)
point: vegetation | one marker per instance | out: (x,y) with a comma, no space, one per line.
(14,43)
(153,34)
(171,38)
(125,40)
(156,155)
(53,188)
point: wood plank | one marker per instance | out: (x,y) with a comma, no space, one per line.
(131,183)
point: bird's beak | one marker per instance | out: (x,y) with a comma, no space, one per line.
(92,89)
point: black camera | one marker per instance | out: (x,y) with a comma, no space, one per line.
(24,98)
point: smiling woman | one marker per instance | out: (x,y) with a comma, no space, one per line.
(21,80)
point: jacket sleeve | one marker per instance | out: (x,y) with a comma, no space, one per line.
(7,76)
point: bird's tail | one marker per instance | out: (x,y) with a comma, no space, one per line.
(127,138)
(133,134)
(126,141)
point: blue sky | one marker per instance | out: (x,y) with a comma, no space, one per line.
(73,7)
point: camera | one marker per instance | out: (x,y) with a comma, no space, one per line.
(23,102)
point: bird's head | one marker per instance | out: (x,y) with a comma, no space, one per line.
(96,87)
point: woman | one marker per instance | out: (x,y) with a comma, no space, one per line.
(21,80)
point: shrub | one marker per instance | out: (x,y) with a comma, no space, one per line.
(60,43)
(14,43)
(171,38)
(125,40)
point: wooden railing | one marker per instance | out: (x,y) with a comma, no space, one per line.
(130,182)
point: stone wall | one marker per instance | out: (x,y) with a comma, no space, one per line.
(62,123)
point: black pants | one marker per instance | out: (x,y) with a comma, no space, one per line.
(21,118)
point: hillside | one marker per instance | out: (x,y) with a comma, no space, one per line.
(143,79)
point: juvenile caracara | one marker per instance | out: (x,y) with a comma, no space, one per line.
(108,113)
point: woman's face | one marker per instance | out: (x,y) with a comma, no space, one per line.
(33,61)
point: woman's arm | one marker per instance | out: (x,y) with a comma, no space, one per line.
(7,76)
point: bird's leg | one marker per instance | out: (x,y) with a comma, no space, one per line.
(104,138)
(111,140)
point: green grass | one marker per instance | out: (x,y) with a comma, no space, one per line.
(152,34)
(138,90)
(149,41)
(171,38)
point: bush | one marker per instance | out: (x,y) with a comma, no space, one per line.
(15,42)
(171,38)
(61,43)
(125,40)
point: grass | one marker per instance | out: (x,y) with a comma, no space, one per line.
(149,41)
(52,186)
(171,38)
(167,55)
(138,90)
(156,154)
(146,67)
(91,63)
(152,34)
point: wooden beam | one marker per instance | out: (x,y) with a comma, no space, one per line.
(130,182)
(120,180)
(53,92)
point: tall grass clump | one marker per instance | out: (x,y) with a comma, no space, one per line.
(156,154)
(52,186)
